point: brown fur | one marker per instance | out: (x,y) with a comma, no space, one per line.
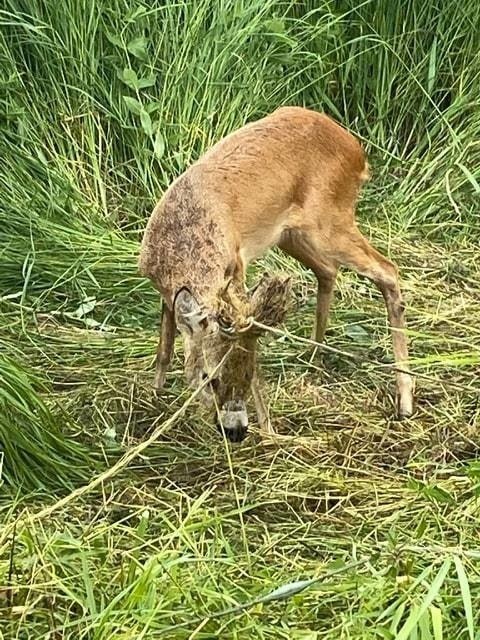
(290,179)
(238,199)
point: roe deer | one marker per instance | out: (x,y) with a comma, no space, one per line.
(290,179)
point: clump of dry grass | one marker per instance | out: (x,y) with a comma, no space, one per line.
(347,496)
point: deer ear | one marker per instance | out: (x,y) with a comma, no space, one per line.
(189,316)
(269,299)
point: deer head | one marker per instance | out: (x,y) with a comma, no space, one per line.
(222,345)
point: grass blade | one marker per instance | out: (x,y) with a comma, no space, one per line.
(466,597)
(415,615)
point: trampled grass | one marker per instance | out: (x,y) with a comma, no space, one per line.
(352,525)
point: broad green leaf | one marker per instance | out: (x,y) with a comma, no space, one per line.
(133,105)
(85,307)
(438,494)
(114,39)
(153,106)
(129,77)
(146,122)
(159,144)
(41,156)
(147,81)
(138,47)
(135,13)
(110,433)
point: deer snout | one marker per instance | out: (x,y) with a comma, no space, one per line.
(233,420)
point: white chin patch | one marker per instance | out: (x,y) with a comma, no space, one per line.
(234,419)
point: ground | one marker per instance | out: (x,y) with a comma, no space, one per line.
(193,526)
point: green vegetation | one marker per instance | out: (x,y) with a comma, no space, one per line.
(353,525)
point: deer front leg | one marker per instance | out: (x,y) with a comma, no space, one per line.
(261,408)
(165,346)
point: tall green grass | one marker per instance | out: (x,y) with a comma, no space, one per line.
(102,104)
(34,453)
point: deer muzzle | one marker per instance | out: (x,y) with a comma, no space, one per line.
(233,420)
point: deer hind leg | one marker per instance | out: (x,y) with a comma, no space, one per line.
(355,252)
(306,248)
(165,346)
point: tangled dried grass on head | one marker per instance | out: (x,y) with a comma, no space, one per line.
(266,303)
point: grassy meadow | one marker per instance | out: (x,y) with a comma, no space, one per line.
(124,515)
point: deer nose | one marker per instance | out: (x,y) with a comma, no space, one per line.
(233,420)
